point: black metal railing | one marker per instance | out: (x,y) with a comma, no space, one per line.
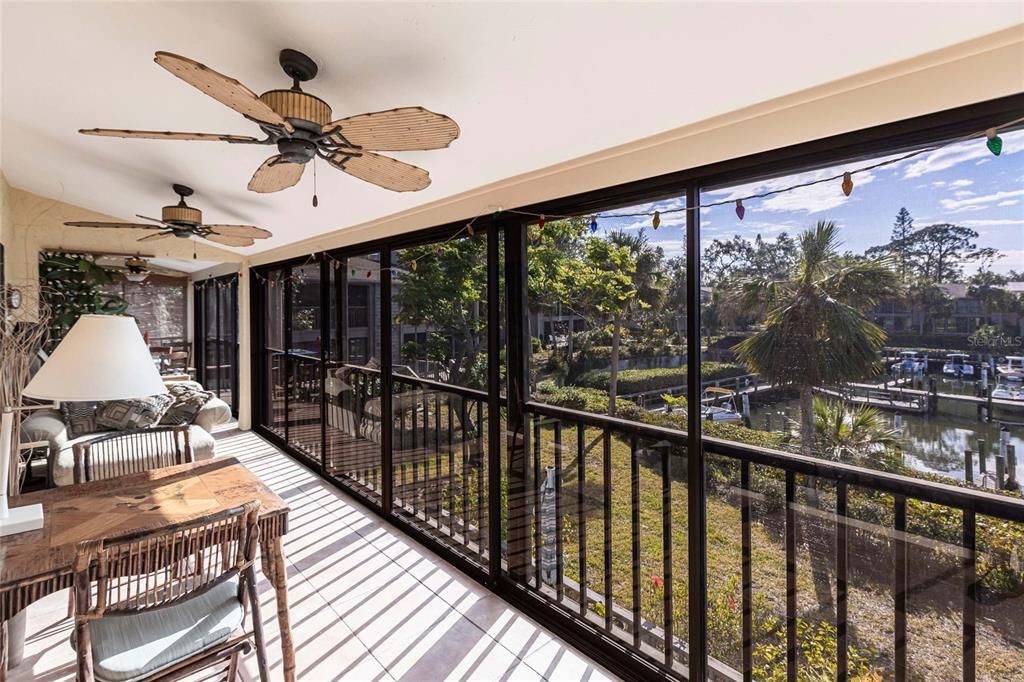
(910,536)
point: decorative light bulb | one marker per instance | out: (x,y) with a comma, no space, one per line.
(740,211)
(540,222)
(413,266)
(656,221)
(470,230)
(847,183)
(994,142)
(593,224)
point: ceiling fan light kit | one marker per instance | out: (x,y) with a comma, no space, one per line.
(300,125)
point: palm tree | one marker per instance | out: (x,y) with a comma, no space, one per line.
(850,434)
(815,333)
(648,291)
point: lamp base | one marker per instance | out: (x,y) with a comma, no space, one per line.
(22,519)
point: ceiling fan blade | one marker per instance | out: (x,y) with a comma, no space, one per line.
(146,217)
(224,89)
(230,241)
(274,175)
(240,231)
(159,235)
(396,130)
(383,171)
(133,226)
(166,135)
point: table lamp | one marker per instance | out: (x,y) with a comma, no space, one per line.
(102,357)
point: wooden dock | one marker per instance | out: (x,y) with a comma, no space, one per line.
(1008,405)
(880,399)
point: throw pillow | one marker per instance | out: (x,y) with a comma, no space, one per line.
(137,413)
(188,400)
(80,418)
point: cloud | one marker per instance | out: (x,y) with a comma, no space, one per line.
(961,183)
(978,202)
(991,222)
(960,194)
(948,157)
(810,200)
(1009,202)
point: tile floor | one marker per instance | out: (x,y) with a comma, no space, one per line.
(367,603)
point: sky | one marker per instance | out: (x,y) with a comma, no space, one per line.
(964,184)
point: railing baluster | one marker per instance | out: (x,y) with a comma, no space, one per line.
(607,473)
(634,461)
(841,587)
(900,587)
(451,469)
(581,517)
(481,527)
(437,459)
(970,595)
(747,577)
(465,473)
(666,549)
(791,604)
(559,572)
(536,501)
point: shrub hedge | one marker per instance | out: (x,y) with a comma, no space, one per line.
(643,380)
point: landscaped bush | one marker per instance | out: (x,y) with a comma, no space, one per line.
(587,400)
(643,380)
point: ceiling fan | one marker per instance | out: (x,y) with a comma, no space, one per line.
(182,220)
(300,125)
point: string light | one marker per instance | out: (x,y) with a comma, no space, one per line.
(994,142)
(847,184)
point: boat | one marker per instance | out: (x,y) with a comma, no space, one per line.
(719,405)
(1011,368)
(957,366)
(910,362)
(1007,392)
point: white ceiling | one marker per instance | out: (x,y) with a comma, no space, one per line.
(531,84)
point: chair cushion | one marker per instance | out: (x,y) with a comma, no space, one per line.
(62,460)
(132,647)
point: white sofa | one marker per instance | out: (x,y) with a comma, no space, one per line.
(48,425)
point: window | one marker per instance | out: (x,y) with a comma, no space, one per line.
(358,305)
(158,304)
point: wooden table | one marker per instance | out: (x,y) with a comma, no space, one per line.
(38,563)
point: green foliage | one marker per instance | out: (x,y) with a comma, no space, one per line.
(587,400)
(816,651)
(643,380)
(851,434)
(72,286)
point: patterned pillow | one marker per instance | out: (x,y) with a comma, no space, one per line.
(188,400)
(137,413)
(80,418)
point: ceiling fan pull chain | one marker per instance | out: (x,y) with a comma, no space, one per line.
(316,202)
(193,248)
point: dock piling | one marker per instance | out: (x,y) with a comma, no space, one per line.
(981,455)
(1000,472)
(968,466)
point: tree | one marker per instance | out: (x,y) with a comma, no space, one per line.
(675,296)
(990,288)
(815,332)
(930,299)
(938,252)
(647,290)
(446,290)
(899,245)
(851,434)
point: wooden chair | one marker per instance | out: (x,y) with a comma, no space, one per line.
(129,452)
(166,603)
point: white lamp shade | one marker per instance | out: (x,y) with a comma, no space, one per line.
(103,357)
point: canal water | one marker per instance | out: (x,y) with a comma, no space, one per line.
(931,443)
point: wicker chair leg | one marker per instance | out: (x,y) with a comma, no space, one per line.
(257,625)
(233,667)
